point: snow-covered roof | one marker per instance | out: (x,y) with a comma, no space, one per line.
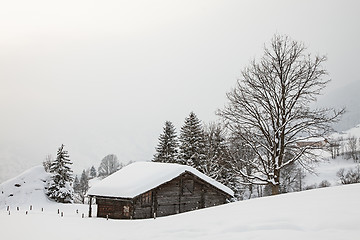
(140,177)
(312,140)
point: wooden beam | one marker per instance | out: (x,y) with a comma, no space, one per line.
(90,202)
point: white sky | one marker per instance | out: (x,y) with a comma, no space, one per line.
(103,76)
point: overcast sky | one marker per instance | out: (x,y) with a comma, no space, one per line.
(103,76)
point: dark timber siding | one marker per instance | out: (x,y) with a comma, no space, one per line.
(114,208)
(185,193)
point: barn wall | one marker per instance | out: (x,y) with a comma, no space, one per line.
(114,208)
(182,194)
(140,211)
(213,198)
(167,198)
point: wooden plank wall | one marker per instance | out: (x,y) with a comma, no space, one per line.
(172,198)
(182,194)
(113,208)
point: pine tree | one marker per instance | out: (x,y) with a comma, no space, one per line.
(92,172)
(84,185)
(167,149)
(59,187)
(217,152)
(76,184)
(192,143)
(219,163)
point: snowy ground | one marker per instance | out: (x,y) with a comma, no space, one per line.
(329,213)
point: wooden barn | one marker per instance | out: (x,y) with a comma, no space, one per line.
(148,189)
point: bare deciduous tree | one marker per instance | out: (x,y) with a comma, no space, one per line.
(47,162)
(269,109)
(352,148)
(109,164)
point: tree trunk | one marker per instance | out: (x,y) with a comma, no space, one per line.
(275,189)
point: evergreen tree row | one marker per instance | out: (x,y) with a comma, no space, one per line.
(202,147)
(189,149)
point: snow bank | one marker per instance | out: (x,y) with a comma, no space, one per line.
(140,177)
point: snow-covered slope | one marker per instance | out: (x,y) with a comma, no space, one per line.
(327,169)
(329,213)
(25,189)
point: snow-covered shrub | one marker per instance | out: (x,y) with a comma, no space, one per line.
(309,187)
(324,183)
(349,177)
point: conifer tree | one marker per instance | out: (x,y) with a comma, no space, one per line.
(76,184)
(92,172)
(219,163)
(84,185)
(192,143)
(59,187)
(167,149)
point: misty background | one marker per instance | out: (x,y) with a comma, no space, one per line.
(102,77)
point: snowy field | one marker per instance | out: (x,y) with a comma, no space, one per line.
(327,169)
(328,213)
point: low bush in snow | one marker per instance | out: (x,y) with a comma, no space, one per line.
(324,183)
(349,177)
